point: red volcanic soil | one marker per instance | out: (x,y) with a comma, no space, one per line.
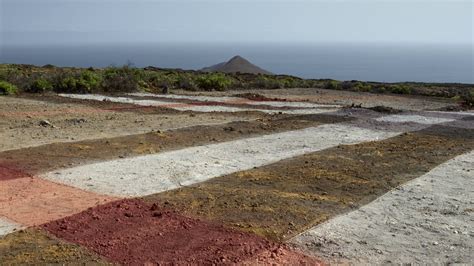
(10,171)
(133,232)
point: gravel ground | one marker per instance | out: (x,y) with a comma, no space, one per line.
(20,122)
(427,221)
(195,108)
(150,174)
(404,102)
(235,100)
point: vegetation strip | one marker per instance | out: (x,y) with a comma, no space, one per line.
(34,160)
(193,107)
(389,228)
(285,198)
(132,232)
(140,176)
(36,247)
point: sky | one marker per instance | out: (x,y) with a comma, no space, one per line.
(244,21)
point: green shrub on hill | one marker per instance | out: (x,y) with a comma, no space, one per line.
(468,98)
(214,81)
(263,82)
(332,85)
(122,79)
(83,82)
(7,88)
(400,89)
(41,85)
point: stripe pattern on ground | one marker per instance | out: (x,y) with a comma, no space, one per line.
(191,107)
(426,120)
(236,100)
(160,172)
(287,197)
(388,230)
(58,155)
(133,232)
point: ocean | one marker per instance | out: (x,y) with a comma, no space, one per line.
(368,62)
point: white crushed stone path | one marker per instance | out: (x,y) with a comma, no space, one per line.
(427,221)
(7,226)
(149,174)
(225,99)
(196,108)
(425,120)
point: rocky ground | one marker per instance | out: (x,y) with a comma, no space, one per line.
(297,176)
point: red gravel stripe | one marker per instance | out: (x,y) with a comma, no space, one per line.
(134,232)
(10,171)
(32,201)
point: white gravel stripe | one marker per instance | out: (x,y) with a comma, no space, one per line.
(426,120)
(466,113)
(7,226)
(428,221)
(189,107)
(225,99)
(144,175)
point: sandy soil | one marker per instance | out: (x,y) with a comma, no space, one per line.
(50,157)
(144,175)
(133,232)
(73,121)
(312,188)
(426,221)
(264,178)
(35,247)
(414,103)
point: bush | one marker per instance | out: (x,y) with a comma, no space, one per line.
(7,88)
(364,87)
(40,85)
(84,82)
(468,98)
(400,89)
(123,79)
(214,81)
(186,83)
(266,83)
(332,85)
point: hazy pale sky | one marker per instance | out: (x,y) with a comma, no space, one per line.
(58,21)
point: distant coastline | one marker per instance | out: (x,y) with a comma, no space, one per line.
(370,62)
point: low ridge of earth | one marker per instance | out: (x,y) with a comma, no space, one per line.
(300,176)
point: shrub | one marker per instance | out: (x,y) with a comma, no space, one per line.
(332,85)
(40,85)
(186,83)
(400,89)
(468,98)
(84,82)
(214,81)
(7,88)
(267,83)
(359,86)
(123,79)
